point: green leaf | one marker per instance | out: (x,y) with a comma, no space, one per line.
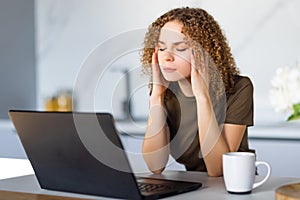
(293,117)
(296,108)
(296,114)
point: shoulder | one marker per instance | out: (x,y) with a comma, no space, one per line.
(240,102)
(243,89)
(242,85)
(242,82)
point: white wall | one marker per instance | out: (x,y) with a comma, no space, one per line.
(69,30)
(263,36)
(17,56)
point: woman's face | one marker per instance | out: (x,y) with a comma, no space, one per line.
(174,54)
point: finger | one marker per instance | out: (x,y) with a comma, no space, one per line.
(206,60)
(193,63)
(154,58)
(193,59)
(157,77)
(206,66)
(203,63)
(155,65)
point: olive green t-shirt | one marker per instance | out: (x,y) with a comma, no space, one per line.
(183,125)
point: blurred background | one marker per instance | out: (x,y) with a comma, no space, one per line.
(45,45)
(45,42)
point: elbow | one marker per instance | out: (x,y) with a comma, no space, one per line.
(157,171)
(215,174)
(156,166)
(156,162)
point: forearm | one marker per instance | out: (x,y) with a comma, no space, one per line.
(155,146)
(212,143)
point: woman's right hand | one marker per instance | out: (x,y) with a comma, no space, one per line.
(155,146)
(159,83)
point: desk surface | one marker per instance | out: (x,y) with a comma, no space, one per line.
(213,188)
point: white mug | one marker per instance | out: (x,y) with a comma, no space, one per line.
(239,170)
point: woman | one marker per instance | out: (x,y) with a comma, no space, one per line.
(200,107)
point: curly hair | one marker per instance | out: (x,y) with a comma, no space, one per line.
(207,38)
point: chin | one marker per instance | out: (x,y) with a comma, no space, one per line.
(171,79)
(174,78)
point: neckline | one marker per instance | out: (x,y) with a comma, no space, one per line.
(181,94)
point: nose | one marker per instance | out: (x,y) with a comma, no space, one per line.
(168,56)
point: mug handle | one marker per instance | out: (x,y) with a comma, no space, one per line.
(255,185)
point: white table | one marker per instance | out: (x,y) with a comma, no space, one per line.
(213,188)
(10,167)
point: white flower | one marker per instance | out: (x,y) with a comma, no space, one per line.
(285,89)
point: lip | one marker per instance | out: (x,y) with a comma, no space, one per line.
(169,70)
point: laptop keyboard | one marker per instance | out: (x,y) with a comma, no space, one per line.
(149,187)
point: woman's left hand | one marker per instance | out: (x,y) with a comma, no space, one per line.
(200,79)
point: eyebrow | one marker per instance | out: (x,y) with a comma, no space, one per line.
(175,43)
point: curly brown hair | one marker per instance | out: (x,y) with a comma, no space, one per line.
(206,36)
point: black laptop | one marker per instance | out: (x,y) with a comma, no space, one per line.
(82,153)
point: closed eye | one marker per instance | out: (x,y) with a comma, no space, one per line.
(181,49)
(162,49)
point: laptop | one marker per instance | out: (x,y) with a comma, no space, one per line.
(82,153)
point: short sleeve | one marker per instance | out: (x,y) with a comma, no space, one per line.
(240,103)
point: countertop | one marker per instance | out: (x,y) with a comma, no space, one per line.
(213,187)
(271,130)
